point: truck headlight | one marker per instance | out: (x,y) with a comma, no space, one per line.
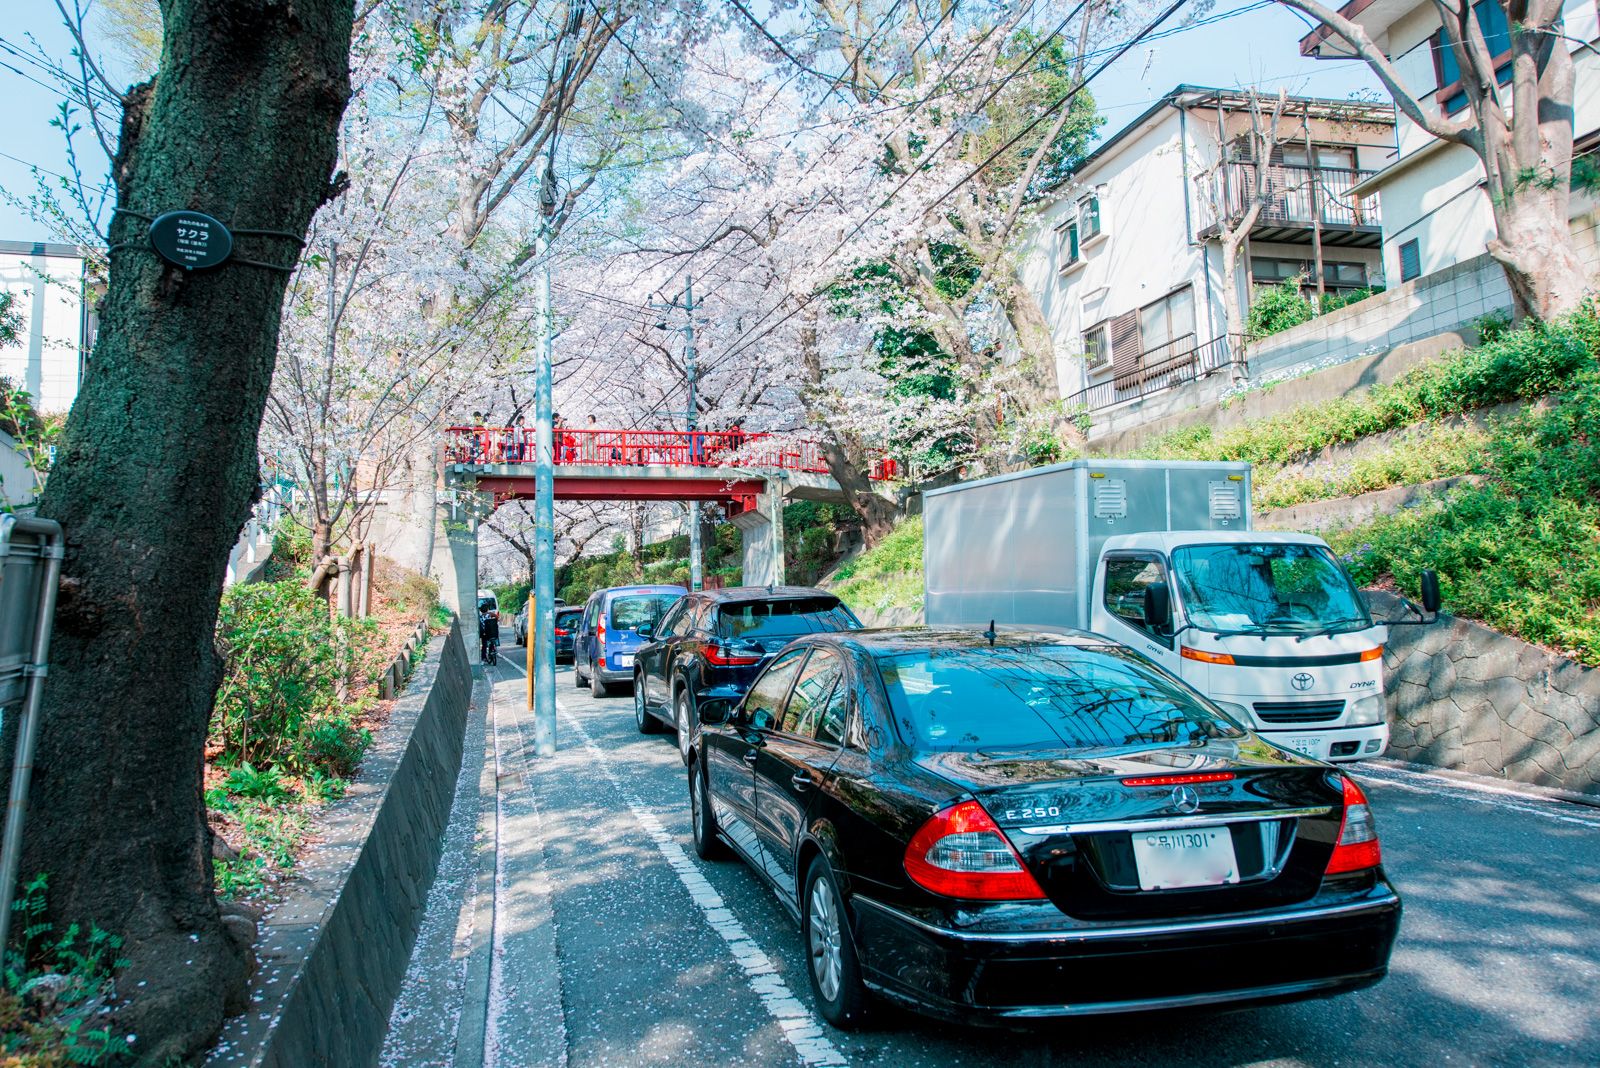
(1238,712)
(1366,711)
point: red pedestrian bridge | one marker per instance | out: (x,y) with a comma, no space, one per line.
(750,475)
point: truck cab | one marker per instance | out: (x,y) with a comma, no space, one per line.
(1268,625)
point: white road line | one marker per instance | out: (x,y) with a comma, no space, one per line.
(800,1026)
(1455,790)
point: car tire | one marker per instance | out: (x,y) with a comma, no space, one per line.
(577,676)
(598,689)
(684,722)
(702,817)
(642,718)
(831,962)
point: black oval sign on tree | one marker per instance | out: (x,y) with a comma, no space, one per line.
(190,239)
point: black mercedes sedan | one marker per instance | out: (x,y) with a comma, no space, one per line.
(713,643)
(1005,827)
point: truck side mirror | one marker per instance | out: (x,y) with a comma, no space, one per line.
(1157,606)
(1430,592)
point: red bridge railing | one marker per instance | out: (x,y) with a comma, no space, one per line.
(626,448)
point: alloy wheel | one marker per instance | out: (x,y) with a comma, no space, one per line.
(685,739)
(823,937)
(695,801)
(639,713)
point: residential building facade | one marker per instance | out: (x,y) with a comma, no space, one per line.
(1127,260)
(1436,211)
(59,323)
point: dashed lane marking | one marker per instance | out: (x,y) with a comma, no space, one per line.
(800,1027)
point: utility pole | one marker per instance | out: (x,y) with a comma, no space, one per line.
(542,620)
(696,451)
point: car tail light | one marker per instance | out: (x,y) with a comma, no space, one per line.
(561,633)
(724,657)
(600,629)
(960,852)
(1180,780)
(1358,835)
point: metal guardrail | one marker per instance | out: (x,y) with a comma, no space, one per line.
(1174,364)
(630,448)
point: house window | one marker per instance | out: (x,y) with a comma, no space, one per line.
(1410,260)
(1089,217)
(1097,345)
(1070,243)
(1496,34)
(1328,157)
(1166,328)
(1335,275)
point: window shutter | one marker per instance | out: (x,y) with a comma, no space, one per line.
(1125,348)
(1410,260)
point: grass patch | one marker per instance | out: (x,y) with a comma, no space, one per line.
(1519,365)
(889,575)
(1428,453)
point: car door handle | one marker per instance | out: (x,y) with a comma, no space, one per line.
(800,781)
(751,757)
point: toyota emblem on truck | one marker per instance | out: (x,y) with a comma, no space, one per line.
(1302,681)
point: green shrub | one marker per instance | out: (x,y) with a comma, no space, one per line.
(887,575)
(1521,552)
(417,592)
(1275,308)
(279,703)
(1428,453)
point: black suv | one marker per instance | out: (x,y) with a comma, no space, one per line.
(715,642)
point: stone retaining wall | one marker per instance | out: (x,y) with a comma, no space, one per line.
(334,953)
(1466,697)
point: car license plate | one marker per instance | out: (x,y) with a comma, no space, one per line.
(1169,860)
(623,659)
(1308,746)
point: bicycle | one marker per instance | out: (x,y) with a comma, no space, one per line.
(491,652)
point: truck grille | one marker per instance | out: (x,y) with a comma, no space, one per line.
(1298,711)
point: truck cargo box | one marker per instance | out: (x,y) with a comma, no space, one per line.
(1022,548)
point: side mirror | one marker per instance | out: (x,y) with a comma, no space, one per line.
(1430,592)
(1157,606)
(644,630)
(715,710)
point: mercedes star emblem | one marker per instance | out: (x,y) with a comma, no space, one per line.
(1302,681)
(1184,799)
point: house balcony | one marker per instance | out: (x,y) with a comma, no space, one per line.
(1287,216)
(1181,360)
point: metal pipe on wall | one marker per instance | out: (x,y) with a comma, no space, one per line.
(28,728)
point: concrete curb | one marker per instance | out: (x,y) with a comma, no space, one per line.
(334,954)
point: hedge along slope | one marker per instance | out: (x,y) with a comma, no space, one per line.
(1518,365)
(1520,553)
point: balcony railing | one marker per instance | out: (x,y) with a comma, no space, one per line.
(1172,364)
(1289,197)
(630,448)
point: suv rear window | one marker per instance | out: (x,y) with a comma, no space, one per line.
(784,617)
(568,616)
(637,609)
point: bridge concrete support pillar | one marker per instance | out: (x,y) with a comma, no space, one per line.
(762,528)
(455,563)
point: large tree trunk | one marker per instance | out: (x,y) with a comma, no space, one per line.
(156,473)
(1540,258)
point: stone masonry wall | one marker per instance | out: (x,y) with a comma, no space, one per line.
(1466,697)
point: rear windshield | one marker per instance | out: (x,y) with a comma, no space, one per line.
(637,609)
(784,618)
(1057,697)
(568,617)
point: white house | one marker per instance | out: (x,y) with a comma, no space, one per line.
(59,323)
(1436,212)
(1126,262)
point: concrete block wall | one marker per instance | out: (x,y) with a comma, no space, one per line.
(335,951)
(1466,697)
(1418,309)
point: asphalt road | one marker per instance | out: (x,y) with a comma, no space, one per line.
(621,948)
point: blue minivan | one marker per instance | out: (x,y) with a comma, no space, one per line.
(602,654)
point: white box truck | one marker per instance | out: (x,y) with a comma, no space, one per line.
(1160,557)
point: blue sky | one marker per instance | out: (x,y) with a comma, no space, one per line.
(1259,46)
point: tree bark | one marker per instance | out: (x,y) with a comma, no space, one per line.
(156,473)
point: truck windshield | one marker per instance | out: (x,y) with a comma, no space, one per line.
(1267,588)
(1031,696)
